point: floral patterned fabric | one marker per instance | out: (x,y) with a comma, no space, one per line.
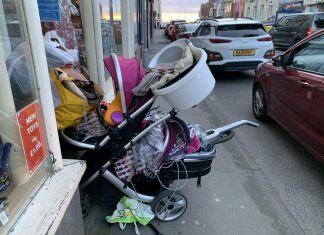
(65,28)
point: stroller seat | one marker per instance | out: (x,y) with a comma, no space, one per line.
(178,159)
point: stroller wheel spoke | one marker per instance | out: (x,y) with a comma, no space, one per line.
(170,206)
(165,214)
(166,200)
(179,204)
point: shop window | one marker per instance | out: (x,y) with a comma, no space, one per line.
(261,11)
(319,21)
(254,12)
(110,13)
(24,161)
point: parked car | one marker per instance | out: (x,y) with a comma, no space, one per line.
(268,24)
(290,90)
(166,33)
(234,44)
(292,28)
(175,30)
(179,28)
(187,30)
(163,25)
(171,25)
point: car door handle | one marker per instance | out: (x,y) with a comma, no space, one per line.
(303,84)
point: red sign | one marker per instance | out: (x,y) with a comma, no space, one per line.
(32,132)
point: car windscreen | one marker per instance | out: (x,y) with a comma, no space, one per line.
(177,21)
(301,20)
(190,27)
(240,30)
(319,22)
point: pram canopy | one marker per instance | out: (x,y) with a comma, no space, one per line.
(126,74)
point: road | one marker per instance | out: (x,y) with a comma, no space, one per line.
(292,172)
(262,182)
(288,172)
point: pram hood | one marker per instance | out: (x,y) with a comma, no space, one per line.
(126,74)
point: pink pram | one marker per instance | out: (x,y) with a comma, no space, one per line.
(183,92)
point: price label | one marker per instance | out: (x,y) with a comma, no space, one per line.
(33,136)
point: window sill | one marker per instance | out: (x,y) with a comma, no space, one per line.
(45,212)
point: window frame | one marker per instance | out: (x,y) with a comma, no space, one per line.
(203,28)
(316,17)
(197,32)
(291,56)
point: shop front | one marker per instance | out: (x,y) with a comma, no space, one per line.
(294,5)
(320,6)
(39,179)
(310,6)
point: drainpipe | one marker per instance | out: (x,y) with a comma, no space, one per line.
(128,28)
(145,33)
(98,43)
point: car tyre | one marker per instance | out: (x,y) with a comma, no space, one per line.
(259,104)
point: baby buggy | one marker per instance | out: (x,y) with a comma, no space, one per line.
(183,92)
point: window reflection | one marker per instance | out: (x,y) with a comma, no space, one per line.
(110,11)
(17,55)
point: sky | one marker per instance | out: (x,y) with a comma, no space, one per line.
(180,9)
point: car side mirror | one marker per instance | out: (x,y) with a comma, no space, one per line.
(278,61)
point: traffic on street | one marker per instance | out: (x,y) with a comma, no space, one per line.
(164,117)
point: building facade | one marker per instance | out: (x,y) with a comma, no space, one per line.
(261,9)
(40,183)
(206,10)
(313,6)
(292,5)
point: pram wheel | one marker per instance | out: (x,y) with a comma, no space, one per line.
(169,205)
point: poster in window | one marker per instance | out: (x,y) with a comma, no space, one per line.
(32,132)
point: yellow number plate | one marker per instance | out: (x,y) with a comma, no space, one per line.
(248,52)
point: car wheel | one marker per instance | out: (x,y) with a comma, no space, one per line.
(259,103)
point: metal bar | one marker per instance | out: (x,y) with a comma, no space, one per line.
(145,131)
(76,143)
(128,191)
(236,125)
(137,112)
(94,176)
(214,134)
(145,32)
(104,141)
(200,156)
(120,82)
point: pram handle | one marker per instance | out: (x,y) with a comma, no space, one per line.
(212,136)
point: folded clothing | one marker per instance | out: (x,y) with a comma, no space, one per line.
(162,73)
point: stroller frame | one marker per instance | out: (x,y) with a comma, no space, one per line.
(208,138)
(212,137)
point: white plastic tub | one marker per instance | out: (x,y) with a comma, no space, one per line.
(195,86)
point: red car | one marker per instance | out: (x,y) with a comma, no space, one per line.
(178,27)
(290,90)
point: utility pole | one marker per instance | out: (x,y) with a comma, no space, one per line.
(256,9)
(144,10)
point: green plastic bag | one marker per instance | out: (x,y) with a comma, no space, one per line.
(131,211)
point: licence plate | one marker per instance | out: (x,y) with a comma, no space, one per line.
(244,52)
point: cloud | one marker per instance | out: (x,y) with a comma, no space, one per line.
(181,6)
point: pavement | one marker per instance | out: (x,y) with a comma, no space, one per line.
(235,198)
